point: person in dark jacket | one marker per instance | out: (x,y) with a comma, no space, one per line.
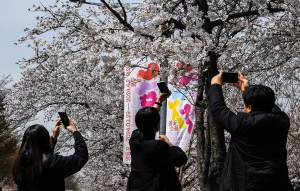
(153,161)
(256,158)
(36,167)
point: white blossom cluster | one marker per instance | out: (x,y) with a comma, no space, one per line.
(82,68)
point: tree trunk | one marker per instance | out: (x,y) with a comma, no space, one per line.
(211,149)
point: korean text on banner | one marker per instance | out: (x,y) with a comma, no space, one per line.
(140,91)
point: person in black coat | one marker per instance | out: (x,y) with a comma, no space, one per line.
(256,158)
(153,161)
(37,168)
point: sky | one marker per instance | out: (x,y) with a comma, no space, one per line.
(14,17)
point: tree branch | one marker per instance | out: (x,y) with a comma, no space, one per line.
(271,67)
(122,21)
(178,24)
(244,14)
(234,16)
(203,6)
(124,12)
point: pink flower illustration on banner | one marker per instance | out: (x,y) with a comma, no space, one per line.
(185,80)
(186,110)
(148,99)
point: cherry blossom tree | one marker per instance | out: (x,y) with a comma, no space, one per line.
(8,141)
(81,70)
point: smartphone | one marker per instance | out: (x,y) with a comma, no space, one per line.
(64,118)
(230,77)
(163,88)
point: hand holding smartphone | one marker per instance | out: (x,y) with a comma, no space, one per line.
(230,77)
(163,88)
(64,118)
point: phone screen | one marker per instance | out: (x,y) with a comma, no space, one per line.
(230,77)
(163,87)
(64,118)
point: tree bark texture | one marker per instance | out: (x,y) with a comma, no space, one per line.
(211,148)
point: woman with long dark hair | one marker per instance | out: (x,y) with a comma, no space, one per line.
(153,161)
(37,168)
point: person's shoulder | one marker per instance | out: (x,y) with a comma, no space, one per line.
(242,114)
(134,133)
(244,121)
(243,117)
(281,118)
(281,114)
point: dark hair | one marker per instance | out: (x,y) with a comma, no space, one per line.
(260,97)
(35,143)
(146,119)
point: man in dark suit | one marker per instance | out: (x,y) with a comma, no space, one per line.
(256,158)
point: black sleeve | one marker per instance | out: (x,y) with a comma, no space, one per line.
(64,166)
(177,156)
(220,112)
(173,156)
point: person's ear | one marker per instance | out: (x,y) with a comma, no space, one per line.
(248,108)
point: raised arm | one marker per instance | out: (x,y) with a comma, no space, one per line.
(65,166)
(162,97)
(221,113)
(56,131)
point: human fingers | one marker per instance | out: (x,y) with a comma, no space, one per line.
(236,85)
(240,74)
(242,77)
(244,80)
(71,127)
(161,137)
(56,130)
(70,120)
(221,73)
(218,79)
(58,122)
(221,77)
(167,139)
(169,94)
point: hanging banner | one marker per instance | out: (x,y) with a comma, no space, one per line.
(180,112)
(140,91)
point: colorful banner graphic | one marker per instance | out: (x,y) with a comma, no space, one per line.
(180,112)
(140,91)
